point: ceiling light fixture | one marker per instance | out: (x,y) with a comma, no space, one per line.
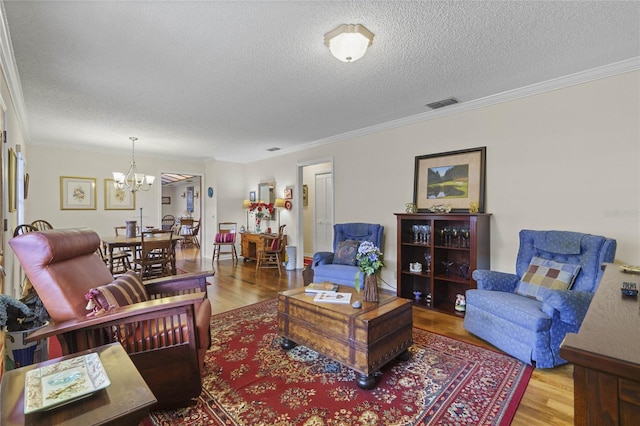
(133,181)
(348,42)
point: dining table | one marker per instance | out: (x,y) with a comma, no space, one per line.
(113,242)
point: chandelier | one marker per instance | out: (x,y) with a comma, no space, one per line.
(133,181)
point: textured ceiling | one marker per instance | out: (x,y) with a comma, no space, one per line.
(229,80)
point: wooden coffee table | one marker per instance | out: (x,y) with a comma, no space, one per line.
(363,339)
(124,402)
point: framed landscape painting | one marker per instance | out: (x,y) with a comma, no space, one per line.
(453,178)
(77,193)
(117,199)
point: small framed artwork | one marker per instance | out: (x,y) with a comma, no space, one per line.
(453,178)
(77,193)
(166,200)
(288,193)
(116,198)
(305,195)
(252,196)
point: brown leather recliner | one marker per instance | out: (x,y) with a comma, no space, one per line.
(166,336)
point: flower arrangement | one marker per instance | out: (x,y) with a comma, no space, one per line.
(261,211)
(369,259)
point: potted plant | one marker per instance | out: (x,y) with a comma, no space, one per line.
(369,258)
(18,318)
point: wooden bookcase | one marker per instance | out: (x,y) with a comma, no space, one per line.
(460,238)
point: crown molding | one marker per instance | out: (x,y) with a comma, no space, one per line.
(605,71)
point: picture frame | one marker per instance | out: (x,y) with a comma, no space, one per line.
(288,193)
(118,199)
(166,200)
(455,178)
(77,193)
(305,195)
(252,196)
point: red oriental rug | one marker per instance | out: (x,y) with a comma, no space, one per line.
(252,381)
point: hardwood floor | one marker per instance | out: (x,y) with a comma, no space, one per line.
(548,399)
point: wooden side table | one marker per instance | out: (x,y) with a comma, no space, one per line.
(125,402)
(606,355)
(250,243)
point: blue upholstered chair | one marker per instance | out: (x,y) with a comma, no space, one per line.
(519,313)
(340,266)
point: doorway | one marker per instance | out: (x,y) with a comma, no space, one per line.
(316,215)
(181,195)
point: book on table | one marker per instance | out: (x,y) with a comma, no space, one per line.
(332,297)
(317,287)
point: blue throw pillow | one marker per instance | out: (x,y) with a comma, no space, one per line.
(346,253)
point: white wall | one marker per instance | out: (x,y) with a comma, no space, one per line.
(45,166)
(567,159)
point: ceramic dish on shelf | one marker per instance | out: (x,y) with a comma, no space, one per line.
(63,382)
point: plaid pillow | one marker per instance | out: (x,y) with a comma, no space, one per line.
(543,275)
(346,253)
(124,290)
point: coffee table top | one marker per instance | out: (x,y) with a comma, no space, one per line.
(127,394)
(385,297)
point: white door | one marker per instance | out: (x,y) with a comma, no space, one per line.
(323,202)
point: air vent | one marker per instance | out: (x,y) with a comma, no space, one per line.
(442,103)
(273,149)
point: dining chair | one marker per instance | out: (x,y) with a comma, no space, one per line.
(23,229)
(155,256)
(120,259)
(168,221)
(270,254)
(41,225)
(186,231)
(226,237)
(122,230)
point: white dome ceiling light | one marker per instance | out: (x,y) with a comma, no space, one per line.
(348,42)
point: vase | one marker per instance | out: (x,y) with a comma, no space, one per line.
(371,288)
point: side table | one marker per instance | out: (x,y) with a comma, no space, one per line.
(125,402)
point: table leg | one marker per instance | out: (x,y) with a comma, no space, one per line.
(111,259)
(288,344)
(366,381)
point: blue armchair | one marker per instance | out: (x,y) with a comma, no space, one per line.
(340,266)
(526,314)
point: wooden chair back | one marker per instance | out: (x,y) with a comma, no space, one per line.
(155,256)
(23,229)
(41,225)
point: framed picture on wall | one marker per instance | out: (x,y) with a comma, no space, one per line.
(305,195)
(77,193)
(288,193)
(252,196)
(118,199)
(166,200)
(455,179)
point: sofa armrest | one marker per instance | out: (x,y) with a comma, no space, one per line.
(496,281)
(572,305)
(178,284)
(322,258)
(152,308)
